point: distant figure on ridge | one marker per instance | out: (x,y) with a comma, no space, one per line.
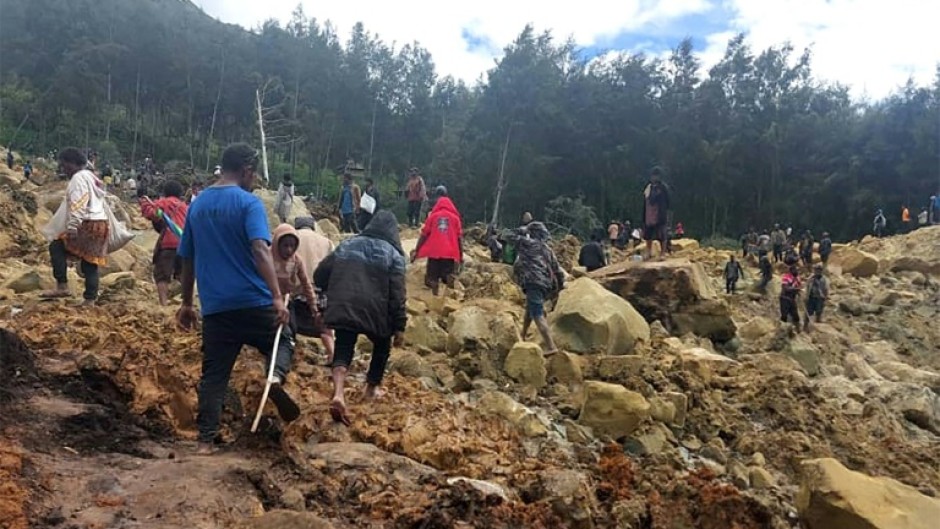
(285,198)
(441,242)
(778,238)
(879,224)
(27,169)
(825,248)
(905,219)
(10,157)
(349,197)
(655,212)
(417,195)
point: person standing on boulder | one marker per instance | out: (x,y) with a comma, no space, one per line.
(365,282)
(417,195)
(313,248)
(349,197)
(538,273)
(825,248)
(817,294)
(733,272)
(592,256)
(778,238)
(84,234)
(285,198)
(440,242)
(790,288)
(655,212)
(225,247)
(167,266)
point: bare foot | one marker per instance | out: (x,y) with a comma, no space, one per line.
(338,411)
(374,392)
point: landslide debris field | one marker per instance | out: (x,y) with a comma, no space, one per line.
(673,406)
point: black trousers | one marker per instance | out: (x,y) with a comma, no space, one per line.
(349,223)
(346,348)
(730,285)
(778,253)
(223,335)
(788,311)
(414,213)
(60,264)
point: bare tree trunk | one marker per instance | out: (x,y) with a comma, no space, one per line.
(189,119)
(375,106)
(215,110)
(293,136)
(264,148)
(107,130)
(501,181)
(136,118)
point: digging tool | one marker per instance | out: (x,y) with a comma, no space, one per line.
(270,380)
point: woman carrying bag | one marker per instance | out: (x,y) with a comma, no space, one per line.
(80,230)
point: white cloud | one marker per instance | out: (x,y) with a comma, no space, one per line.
(439,26)
(873,46)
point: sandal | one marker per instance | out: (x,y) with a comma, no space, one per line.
(338,412)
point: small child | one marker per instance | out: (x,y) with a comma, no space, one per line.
(291,272)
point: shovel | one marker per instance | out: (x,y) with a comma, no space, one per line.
(271,379)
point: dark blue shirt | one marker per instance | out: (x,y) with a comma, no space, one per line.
(346,203)
(220,228)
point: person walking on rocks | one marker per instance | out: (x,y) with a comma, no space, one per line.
(538,273)
(312,249)
(790,288)
(806,248)
(285,198)
(167,266)
(84,234)
(733,272)
(225,248)
(655,212)
(766,271)
(817,294)
(825,248)
(364,280)
(790,257)
(10,157)
(880,223)
(27,169)
(417,195)
(440,242)
(349,197)
(778,239)
(592,256)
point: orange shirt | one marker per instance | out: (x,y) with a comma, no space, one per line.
(905,215)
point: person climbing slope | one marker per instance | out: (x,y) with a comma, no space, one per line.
(440,242)
(538,273)
(84,236)
(225,248)
(766,271)
(592,255)
(790,288)
(825,248)
(733,272)
(817,294)
(285,198)
(364,280)
(417,195)
(292,275)
(313,248)
(166,264)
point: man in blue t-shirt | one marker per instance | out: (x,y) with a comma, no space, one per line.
(225,247)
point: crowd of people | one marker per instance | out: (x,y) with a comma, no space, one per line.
(256,285)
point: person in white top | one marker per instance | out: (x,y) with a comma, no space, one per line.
(84,235)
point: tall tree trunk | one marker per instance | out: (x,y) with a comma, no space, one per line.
(264,148)
(501,181)
(215,110)
(136,119)
(293,125)
(375,107)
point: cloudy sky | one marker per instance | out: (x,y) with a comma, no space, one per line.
(874,46)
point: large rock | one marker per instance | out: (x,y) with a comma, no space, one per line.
(834,497)
(410,364)
(618,367)
(119,261)
(756,328)
(679,245)
(676,292)
(571,496)
(565,368)
(474,328)
(806,354)
(26,282)
(611,409)
(706,364)
(901,372)
(423,331)
(914,264)
(526,364)
(855,262)
(502,405)
(917,404)
(590,319)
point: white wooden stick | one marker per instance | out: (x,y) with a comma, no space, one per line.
(270,380)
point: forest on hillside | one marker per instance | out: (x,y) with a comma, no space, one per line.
(753,140)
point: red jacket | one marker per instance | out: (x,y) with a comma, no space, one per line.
(442,231)
(173,207)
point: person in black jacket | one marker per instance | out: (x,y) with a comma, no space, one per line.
(592,254)
(655,212)
(364,280)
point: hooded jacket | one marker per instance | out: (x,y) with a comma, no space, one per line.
(364,280)
(291,273)
(441,232)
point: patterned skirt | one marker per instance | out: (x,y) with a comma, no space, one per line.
(91,242)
